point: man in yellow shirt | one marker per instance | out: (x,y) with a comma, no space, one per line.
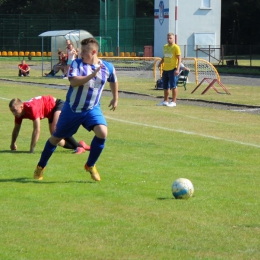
(171,68)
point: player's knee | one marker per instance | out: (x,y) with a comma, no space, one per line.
(100,131)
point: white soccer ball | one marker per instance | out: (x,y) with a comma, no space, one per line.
(182,189)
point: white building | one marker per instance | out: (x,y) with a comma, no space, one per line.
(196,24)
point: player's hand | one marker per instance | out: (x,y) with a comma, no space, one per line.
(32,150)
(97,69)
(113,104)
(13,147)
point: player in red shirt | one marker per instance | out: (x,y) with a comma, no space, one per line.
(24,69)
(61,65)
(37,109)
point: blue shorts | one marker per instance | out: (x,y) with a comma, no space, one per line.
(169,79)
(69,121)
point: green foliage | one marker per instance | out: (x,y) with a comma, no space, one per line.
(131,213)
(144,8)
(50,7)
(237,17)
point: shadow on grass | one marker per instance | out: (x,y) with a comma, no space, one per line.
(28,180)
(10,151)
(168,198)
(62,151)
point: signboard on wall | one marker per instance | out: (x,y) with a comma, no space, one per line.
(161,25)
(203,40)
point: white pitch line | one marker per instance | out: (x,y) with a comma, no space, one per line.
(183,132)
(175,130)
(5,98)
(245,110)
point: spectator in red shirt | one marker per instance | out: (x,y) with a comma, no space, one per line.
(24,69)
(37,109)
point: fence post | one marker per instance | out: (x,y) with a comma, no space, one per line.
(222,54)
(250,48)
(209,53)
(236,54)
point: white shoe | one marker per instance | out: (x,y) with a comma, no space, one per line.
(163,103)
(65,77)
(172,104)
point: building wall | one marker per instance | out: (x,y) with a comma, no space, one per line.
(194,24)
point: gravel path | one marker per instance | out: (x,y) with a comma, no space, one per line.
(225,79)
(201,103)
(240,80)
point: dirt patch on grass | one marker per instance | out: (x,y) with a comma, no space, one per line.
(189,102)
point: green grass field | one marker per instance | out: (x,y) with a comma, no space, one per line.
(131,213)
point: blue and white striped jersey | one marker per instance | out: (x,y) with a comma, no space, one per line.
(87,96)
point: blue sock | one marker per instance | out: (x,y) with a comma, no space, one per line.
(46,154)
(97,145)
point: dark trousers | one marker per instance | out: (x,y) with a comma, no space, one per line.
(23,73)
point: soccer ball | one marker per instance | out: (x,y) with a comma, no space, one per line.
(182,188)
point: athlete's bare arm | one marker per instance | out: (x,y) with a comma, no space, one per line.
(81,80)
(35,133)
(114,90)
(177,71)
(15,134)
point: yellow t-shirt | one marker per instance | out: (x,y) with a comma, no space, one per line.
(170,54)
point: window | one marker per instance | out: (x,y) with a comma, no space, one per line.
(205,4)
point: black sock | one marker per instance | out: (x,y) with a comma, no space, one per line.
(71,143)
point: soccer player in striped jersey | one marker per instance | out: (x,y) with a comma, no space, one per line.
(36,109)
(87,76)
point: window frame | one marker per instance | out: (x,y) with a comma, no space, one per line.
(205,4)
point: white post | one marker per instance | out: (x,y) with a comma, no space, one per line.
(118,12)
(105,17)
(176,21)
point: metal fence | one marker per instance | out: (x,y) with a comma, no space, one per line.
(231,55)
(19,33)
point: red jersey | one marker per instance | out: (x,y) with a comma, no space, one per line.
(37,107)
(64,59)
(23,66)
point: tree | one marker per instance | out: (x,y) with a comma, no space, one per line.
(240,22)
(239,18)
(144,8)
(86,7)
